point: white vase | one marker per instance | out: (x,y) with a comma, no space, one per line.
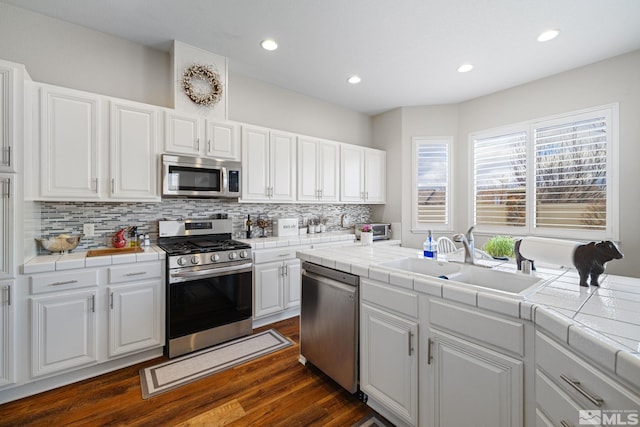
(366,238)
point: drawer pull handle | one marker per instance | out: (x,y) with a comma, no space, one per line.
(563,423)
(139,273)
(66,282)
(598,401)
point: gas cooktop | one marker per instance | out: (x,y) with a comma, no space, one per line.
(191,246)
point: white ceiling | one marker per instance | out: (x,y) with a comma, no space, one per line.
(406,51)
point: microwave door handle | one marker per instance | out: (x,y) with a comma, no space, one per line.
(225,182)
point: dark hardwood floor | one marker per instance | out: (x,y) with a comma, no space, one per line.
(275,390)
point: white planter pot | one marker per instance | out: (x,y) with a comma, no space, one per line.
(366,239)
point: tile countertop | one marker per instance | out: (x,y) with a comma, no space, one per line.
(69,261)
(602,323)
(298,240)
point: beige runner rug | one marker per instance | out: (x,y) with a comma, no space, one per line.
(192,367)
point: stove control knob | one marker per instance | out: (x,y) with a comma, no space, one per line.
(243,254)
(233,255)
(181,261)
(195,259)
(215,257)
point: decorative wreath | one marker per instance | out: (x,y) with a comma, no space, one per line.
(206,74)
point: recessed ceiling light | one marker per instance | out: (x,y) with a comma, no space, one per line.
(269,44)
(354,80)
(465,68)
(548,35)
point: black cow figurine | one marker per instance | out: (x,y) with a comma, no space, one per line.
(590,260)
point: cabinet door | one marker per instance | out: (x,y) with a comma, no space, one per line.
(255,163)
(134,163)
(7,347)
(70,141)
(6,119)
(329,171)
(268,288)
(63,332)
(473,385)
(389,362)
(7,203)
(182,134)
(375,176)
(351,173)
(135,317)
(282,147)
(293,282)
(308,159)
(222,140)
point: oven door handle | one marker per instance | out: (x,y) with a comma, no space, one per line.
(242,268)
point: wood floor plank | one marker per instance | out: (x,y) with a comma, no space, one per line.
(275,390)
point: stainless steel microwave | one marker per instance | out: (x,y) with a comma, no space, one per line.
(184,176)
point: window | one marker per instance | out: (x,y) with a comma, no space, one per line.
(552,177)
(432,189)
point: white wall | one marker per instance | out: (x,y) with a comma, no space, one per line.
(69,55)
(613,80)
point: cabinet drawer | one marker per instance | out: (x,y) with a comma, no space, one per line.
(270,255)
(554,403)
(398,300)
(135,272)
(563,366)
(503,333)
(42,283)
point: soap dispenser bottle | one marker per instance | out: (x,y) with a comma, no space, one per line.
(429,248)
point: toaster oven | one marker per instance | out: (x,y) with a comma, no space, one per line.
(380,231)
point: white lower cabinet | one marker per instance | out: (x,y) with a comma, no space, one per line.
(89,316)
(389,362)
(474,366)
(277,287)
(7,347)
(472,385)
(566,384)
(63,331)
(135,317)
(389,350)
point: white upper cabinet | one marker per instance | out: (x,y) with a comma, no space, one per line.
(134,148)
(11,80)
(318,170)
(69,144)
(223,140)
(195,136)
(96,148)
(362,174)
(268,165)
(182,133)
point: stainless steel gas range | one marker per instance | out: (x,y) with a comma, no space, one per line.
(209,284)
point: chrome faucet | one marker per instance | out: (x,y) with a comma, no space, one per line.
(467,241)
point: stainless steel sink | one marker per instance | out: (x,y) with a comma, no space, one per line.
(478,277)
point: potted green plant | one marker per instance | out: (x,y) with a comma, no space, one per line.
(500,246)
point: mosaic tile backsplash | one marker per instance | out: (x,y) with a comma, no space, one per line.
(69,217)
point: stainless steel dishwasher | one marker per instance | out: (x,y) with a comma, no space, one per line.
(329,323)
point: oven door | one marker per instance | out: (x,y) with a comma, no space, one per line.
(206,299)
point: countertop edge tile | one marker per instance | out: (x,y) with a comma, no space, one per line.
(628,367)
(526,310)
(379,274)
(401,280)
(499,304)
(343,266)
(594,346)
(328,262)
(555,323)
(123,259)
(465,296)
(98,261)
(430,287)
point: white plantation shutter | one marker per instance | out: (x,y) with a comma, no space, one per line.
(500,180)
(432,164)
(571,175)
(552,177)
